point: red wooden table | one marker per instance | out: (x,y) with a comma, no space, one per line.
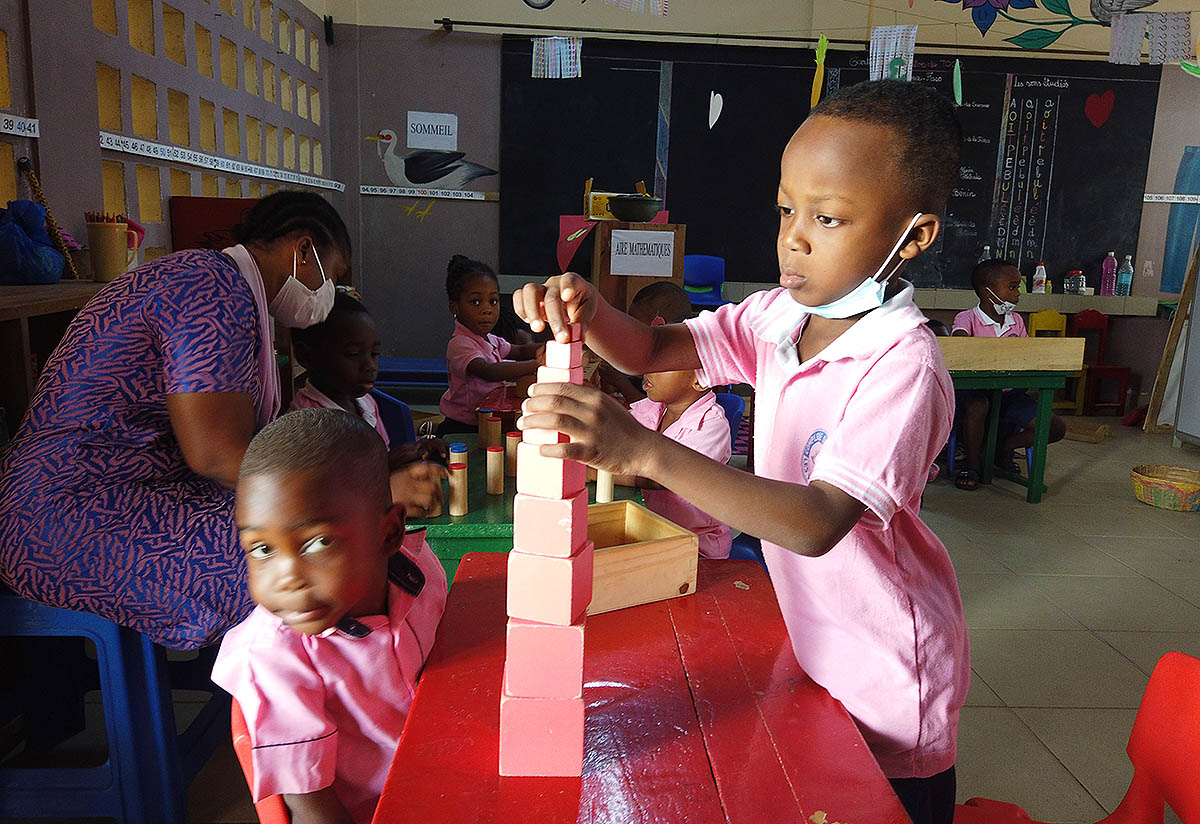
(696,712)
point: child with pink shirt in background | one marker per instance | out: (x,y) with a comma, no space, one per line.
(325,667)
(476,361)
(853,404)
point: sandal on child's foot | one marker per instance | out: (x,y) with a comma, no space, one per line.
(967,479)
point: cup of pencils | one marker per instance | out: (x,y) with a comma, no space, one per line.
(111,244)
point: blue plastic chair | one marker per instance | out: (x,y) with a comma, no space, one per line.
(149,766)
(703,277)
(735,407)
(396,416)
(747,548)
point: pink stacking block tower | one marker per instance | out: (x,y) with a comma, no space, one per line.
(550,526)
(547,477)
(544,660)
(550,590)
(541,736)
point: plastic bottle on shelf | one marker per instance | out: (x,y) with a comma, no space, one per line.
(987,254)
(1125,276)
(1074,282)
(1039,279)
(1108,275)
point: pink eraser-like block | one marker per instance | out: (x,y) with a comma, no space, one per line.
(541,736)
(564,355)
(547,477)
(575,330)
(548,374)
(543,660)
(550,526)
(550,590)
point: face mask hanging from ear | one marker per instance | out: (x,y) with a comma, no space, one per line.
(1002,307)
(298,307)
(869,294)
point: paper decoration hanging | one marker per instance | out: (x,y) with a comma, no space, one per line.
(655,7)
(891,52)
(557,57)
(1170,37)
(1128,32)
(957,82)
(819,77)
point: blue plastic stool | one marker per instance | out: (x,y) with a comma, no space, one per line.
(735,407)
(703,277)
(396,416)
(747,548)
(145,779)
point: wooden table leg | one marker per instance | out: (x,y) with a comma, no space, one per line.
(1041,438)
(988,458)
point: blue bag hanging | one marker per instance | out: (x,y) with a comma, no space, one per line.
(26,256)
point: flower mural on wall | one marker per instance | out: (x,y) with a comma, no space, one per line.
(1055,20)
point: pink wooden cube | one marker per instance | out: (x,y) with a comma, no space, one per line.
(541,436)
(548,374)
(564,355)
(550,526)
(550,590)
(547,477)
(543,660)
(575,330)
(541,736)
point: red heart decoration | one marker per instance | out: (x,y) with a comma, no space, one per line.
(1098,107)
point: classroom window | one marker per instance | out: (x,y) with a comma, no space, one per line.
(250,13)
(266,22)
(173,35)
(208,126)
(229,63)
(285,32)
(301,44)
(314,106)
(233,187)
(289,149)
(204,52)
(228,8)
(255,189)
(268,81)
(178,125)
(314,46)
(270,188)
(253,139)
(208,185)
(318,160)
(181,183)
(285,91)
(108,92)
(141,25)
(149,189)
(5,79)
(8,173)
(143,98)
(250,70)
(112,175)
(150,253)
(104,16)
(233,137)
(305,154)
(272,146)
(301,100)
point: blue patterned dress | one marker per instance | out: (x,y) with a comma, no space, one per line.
(98,509)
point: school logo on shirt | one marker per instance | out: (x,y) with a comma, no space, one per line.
(810,451)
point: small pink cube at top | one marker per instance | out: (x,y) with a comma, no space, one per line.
(541,736)
(548,374)
(543,660)
(547,477)
(550,590)
(564,355)
(575,330)
(557,527)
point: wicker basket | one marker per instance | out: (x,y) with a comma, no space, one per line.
(1168,487)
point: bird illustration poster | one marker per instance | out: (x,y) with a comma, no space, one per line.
(425,168)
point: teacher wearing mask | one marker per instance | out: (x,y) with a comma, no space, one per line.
(116,495)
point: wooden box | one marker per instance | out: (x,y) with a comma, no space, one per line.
(640,557)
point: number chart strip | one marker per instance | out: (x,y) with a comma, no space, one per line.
(21,126)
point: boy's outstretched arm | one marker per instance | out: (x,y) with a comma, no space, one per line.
(321,807)
(808,520)
(630,346)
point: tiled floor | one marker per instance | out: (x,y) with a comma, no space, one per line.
(1069,603)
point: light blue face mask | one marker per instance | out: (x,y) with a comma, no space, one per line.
(867,295)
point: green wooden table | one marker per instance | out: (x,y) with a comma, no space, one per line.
(488,524)
(1044,383)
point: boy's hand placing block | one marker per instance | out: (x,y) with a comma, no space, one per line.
(541,736)
(564,355)
(548,526)
(548,374)
(550,590)
(544,660)
(547,477)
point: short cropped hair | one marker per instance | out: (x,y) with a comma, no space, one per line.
(461,270)
(987,272)
(343,304)
(930,144)
(327,440)
(665,299)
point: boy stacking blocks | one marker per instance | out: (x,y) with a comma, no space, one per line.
(549,588)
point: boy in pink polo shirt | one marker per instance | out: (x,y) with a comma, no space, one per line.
(853,405)
(997,283)
(325,667)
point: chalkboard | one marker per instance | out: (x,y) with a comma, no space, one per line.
(1054,163)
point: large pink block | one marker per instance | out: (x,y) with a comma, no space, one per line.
(543,660)
(550,526)
(548,374)
(541,436)
(550,590)
(547,477)
(564,355)
(541,736)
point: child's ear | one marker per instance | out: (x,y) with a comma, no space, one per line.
(453,305)
(393,522)
(922,236)
(699,387)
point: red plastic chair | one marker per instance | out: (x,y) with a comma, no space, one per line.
(1164,748)
(271,810)
(1098,369)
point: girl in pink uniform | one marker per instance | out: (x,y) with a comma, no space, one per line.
(326,666)
(853,405)
(476,361)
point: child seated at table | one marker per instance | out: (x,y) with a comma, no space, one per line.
(325,666)
(684,410)
(997,283)
(655,304)
(476,361)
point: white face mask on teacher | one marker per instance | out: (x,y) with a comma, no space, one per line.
(298,307)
